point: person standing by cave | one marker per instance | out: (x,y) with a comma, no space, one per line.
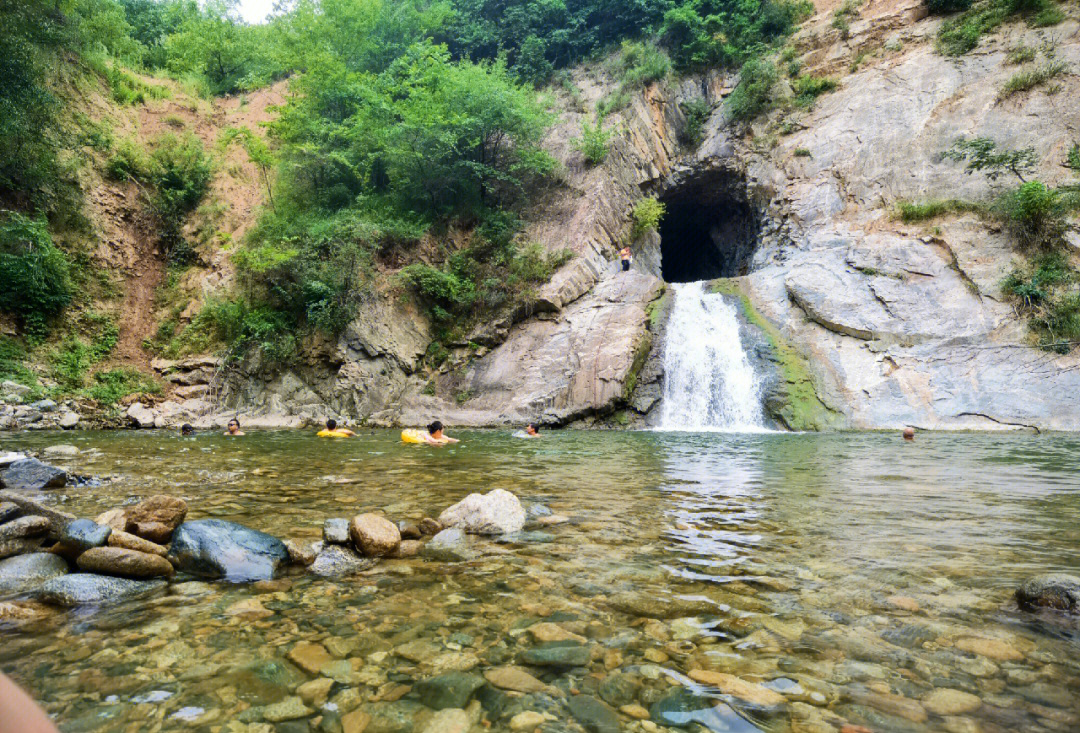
(626,257)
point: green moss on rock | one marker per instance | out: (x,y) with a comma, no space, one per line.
(801,407)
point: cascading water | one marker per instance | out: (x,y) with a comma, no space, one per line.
(709,383)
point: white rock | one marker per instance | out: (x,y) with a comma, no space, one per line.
(141,415)
(497,512)
(68,420)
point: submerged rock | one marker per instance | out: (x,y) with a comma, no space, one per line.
(33,475)
(496,512)
(156,518)
(337,560)
(125,562)
(62,450)
(78,589)
(84,534)
(300,553)
(1055,590)
(561,654)
(594,715)
(374,535)
(26,572)
(660,607)
(450,690)
(680,708)
(450,545)
(215,548)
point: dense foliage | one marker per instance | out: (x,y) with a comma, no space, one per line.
(34,273)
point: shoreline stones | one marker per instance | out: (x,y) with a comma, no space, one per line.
(82,535)
(494,513)
(32,475)
(23,573)
(449,545)
(215,548)
(156,518)
(374,535)
(333,561)
(1055,590)
(336,531)
(124,562)
(77,589)
(119,538)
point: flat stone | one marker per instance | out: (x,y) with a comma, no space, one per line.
(24,573)
(732,685)
(316,691)
(336,561)
(8,511)
(556,656)
(409,548)
(494,513)
(635,711)
(547,631)
(20,546)
(24,611)
(214,548)
(594,715)
(309,656)
(553,520)
(30,526)
(355,722)
(77,589)
(336,531)
(449,720)
(288,709)
(450,690)
(156,517)
(680,708)
(83,534)
(374,535)
(515,679)
(33,475)
(661,607)
(128,541)
(249,608)
(63,450)
(125,562)
(946,701)
(449,545)
(528,720)
(995,649)
(68,420)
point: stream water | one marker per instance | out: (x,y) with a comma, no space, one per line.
(866,580)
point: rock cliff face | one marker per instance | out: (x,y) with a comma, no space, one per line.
(892,324)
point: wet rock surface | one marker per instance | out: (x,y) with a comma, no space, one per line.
(216,548)
(78,589)
(1058,591)
(338,561)
(124,562)
(374,535)
(156,517)
(33,475)
(449,545)
(24,573)
(83,534)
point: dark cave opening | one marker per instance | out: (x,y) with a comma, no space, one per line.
(709,229)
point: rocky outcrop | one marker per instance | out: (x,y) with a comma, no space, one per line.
(1056,590)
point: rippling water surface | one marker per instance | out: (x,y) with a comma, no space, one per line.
(856,575)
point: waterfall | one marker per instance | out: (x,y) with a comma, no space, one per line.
(709,383)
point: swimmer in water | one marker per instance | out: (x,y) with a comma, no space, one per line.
(233,428)
(186,430)
(434,435)
(531,430)
(909,433)
(333,431)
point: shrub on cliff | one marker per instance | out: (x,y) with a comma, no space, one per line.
(35,274)
(646,216)
(594,141)
(752,96)
(1035,214)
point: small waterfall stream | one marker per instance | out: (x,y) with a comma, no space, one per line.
(709,384)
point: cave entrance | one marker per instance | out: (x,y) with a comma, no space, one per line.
(709,229)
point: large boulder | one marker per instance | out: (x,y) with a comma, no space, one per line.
(25,572)
(155,518)
(1055,590)
(496,512)
(374,535)
(77,589)
(214,548)
(33,475)
(125,562)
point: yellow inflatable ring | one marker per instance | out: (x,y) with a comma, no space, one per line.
(412,435)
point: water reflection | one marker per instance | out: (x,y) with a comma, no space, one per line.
(855,575)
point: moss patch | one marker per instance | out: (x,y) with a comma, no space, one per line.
(802,408)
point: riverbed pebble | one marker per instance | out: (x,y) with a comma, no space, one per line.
(945,701)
